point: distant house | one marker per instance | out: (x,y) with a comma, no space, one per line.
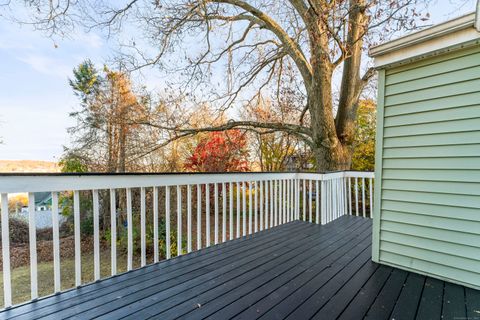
(43,202)
(43,211)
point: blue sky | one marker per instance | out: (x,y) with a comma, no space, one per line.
(35,98)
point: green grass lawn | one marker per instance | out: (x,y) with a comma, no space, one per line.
(21,275)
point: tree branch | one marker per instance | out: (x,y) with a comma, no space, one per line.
(293,49)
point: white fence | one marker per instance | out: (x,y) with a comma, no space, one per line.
(240,204)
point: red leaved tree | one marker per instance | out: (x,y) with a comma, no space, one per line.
(220,152)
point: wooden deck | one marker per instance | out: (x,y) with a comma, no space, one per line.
(295,271)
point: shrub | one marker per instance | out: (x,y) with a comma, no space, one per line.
(18,231)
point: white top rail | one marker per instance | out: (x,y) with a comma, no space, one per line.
(60,182)
(334,175)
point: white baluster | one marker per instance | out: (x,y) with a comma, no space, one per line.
(179,221)
(261,205)
(310,201)
(207,214)
(298,199)
(56,243)
(230,186)
(143,233)
(284,203)
(334,199)
(199,217)
(275,202)
(272,202)
(323,207)
(289,201)
(266,205)
(189,218)
(281,202)
(155,225)
(317,202)
(7,283)
(250,208)
(363,198)
(215,187)
(370,185)
(113,232)
(96,235)
(238,209)
(256,207)
(78,249)
(224,210)
(244,208)
(356,196)
(350,207)
(129,230)
(167,223)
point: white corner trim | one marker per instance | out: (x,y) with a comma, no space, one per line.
(442,36)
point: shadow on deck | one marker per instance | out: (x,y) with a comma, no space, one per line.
(295,271)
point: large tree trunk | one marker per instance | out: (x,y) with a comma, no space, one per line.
(334,158)
(329,151)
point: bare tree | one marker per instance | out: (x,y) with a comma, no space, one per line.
(256,42)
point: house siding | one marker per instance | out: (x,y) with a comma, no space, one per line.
(428,219)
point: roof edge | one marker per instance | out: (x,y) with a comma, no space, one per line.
(470,20)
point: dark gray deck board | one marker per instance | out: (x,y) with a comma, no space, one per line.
(407,303)
(431,302)
(454,302)
(383,305)
(472,298)
(296,271)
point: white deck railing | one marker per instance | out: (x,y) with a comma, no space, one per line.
(244,202)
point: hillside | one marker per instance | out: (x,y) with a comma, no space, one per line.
(28,166)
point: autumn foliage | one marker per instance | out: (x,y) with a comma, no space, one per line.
(220,152)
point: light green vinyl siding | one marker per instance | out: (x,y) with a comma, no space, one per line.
(429,197)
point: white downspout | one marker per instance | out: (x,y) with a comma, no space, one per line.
(477,17)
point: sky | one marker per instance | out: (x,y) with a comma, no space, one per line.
(35,98)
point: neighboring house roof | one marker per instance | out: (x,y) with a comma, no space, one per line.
(43,198)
